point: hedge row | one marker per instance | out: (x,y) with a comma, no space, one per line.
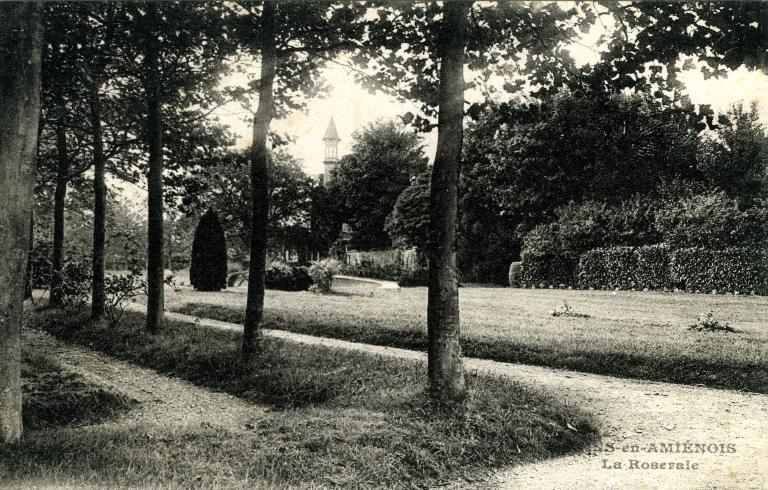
(743,270)
(542,270)
(625,268)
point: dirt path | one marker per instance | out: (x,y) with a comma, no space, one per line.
(718,436)
(163,400)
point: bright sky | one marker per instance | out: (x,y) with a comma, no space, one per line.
(353,107)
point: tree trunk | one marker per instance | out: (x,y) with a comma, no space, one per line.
(59,202)
(155,238)
(20,46)
(445,367)
(99,209)
(29,272)
(254,310)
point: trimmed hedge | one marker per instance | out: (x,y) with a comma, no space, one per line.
(548,270)
(608,268)
(653,270)
(742,270)
(625,268)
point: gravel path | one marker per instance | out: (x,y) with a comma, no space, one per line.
(163,400)
(717,436)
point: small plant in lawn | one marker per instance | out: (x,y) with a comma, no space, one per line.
(322,273)
(709,324)
(565,310)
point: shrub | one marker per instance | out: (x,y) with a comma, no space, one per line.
(548,270)
(608,268)
(414,277)
(321,274)
(367,267)
(729,270)
(712,220)
(652,270)
(285,277)
(208,271)
(75,281)
(515,269)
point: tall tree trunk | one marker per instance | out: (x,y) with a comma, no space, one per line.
(254,310)
(59,202)
(155,238)
(99,209)
(29,272)
(20,46)
(445,367)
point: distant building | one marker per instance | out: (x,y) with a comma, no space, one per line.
(331,159)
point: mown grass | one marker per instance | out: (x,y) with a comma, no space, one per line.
(629,334)
(55,398)
(340,419)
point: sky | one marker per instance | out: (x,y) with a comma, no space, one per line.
(354,107)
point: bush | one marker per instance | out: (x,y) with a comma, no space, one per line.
(367,267)
(712,221)
(208,271)
(75,281)
(730,270)
(608,268)
(548,270)
(285,277)
(515,269)
(410,278)
(321,274)
(652,270)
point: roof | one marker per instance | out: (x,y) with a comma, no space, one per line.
(330,133)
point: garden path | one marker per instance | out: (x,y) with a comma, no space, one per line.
(163,400)
(631,413)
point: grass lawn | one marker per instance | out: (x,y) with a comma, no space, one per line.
(631,334)
(339,419)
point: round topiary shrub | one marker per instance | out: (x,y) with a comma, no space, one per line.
(208,270)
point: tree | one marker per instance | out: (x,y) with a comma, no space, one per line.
(292,42)
(421,50)
(735,158)
(444,366)
(408,223)
(208,270)
(222,187)
(368,181)
(20,54)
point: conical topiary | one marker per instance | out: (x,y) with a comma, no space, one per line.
(208,271)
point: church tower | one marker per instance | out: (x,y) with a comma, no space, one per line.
(331,159)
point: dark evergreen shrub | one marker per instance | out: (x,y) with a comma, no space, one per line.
(208,270)
(548,270)
(285,277)
(608,268)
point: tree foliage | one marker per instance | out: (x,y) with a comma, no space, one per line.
(369,180)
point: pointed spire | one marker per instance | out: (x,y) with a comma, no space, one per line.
(330,133)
